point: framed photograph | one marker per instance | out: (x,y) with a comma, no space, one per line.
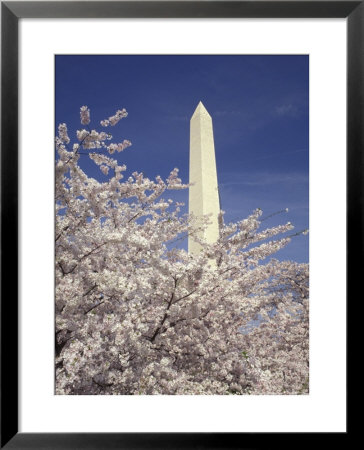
(172,302)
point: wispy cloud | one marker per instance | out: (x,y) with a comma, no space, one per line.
(286,110)
(261,179)
(277,155)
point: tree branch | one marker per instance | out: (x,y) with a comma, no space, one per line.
(93,307)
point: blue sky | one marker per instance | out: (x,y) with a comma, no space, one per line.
(260,111)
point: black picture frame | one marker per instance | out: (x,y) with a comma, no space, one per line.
(11,12)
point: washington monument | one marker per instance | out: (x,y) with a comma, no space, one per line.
(203,194)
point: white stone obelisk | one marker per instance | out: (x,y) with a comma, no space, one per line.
(203,194)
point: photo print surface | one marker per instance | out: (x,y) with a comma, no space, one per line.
(181,233)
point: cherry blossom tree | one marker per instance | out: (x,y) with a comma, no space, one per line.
(137,315)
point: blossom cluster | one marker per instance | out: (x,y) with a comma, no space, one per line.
(135,315)
(113,120)
(85,115)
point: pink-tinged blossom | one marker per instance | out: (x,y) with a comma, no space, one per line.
(104,169)
(85,115)
(123,145)
(63,134)
(136,316)
(118,147)
(92,139)
(113,120)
